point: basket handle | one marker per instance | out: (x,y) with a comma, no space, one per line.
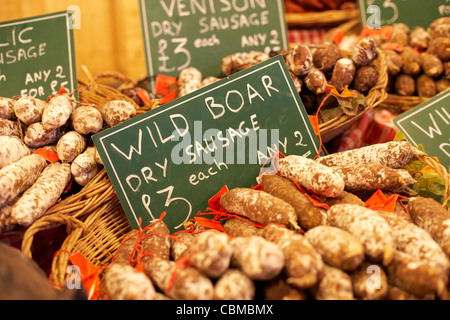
(43,223)
(441,171)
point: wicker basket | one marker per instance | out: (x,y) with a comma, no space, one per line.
(440,170)
(374,98)
(94,213)
(352,26)
(401,103)
(106,86)
(324,19)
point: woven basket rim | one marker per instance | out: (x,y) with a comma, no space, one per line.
(352,26)
(104,231)
(73,209)
(320,19)
(410,101)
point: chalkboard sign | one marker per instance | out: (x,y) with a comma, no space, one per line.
(429,124)
(411,12)
(174,158)
(179,34)
(37,56)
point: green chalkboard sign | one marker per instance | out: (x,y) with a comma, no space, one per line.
(411,12)
(429,125)
(179,34)
(175,158)
(37,56)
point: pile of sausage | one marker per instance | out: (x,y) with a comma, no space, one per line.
(312,68)
(419,63)
(276,244)
(30,182)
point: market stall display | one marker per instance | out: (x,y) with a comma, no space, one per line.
(366,222)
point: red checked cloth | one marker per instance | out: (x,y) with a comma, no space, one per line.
(306,36)
(374,127)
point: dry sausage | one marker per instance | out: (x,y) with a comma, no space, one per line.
(117,111)
(431,216)
(123,282)
(299,60)
(234,285)
(179,282)
(393,154)
(258,258)
(308,215)
(44,193)
(415,241)
(370,177)
(87,120)
(29,110)
(370,228)
(303,264)
(258,206)
(70,146)
(416,276)
(84,167)
(180,243)
(343,74)
(36,136)
(338,247)
(312,175)
(9,128)
(210,252)
(7,109)
(240,227)
(345,197)
(370,282)
(18,176)
(316,81)
(364,52)
(334,285)
(189,80)
(155,241)
(57,112)
(11,150)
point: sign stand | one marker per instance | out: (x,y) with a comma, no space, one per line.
(428,124)
(37,56)
(178,35)
(174,158)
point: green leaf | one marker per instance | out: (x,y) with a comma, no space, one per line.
(353,105)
